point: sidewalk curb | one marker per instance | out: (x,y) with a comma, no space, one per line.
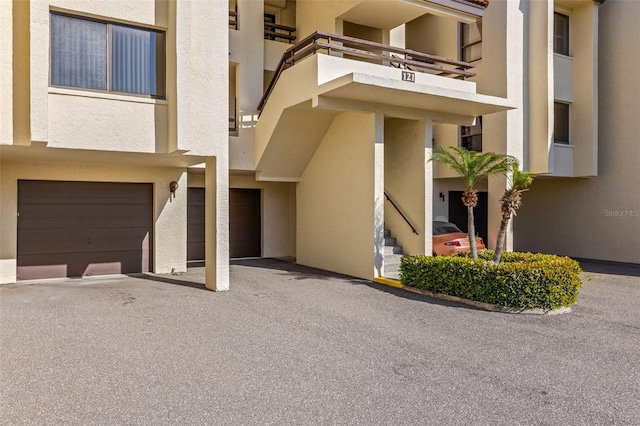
(482,305)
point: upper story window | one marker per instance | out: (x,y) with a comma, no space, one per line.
(471,42)
(96,55)
(561,123)
(561,33)
(471,136)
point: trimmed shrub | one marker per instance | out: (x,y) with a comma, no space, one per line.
(521,280)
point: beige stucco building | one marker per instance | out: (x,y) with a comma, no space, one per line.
(141,136)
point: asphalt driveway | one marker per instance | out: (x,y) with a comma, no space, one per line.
(292,345)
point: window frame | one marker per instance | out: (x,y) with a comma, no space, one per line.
(271,13)
(471,134)
(566,48)
(161,65)
(568,123)
(463,47)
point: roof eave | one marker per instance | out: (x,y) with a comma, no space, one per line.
(463,6)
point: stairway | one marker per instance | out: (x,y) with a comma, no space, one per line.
(392,254)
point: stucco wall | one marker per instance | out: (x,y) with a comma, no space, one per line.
(313,15)
(433,34)
(599,217)
(336,201)
(405,158)
(192,118)
(107,123)
(246,49)
(170,232)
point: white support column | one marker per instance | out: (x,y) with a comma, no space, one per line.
(216,225)
(378,196)
(428,187)
(504,38)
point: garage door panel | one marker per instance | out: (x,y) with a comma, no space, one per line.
(195,224)
(245,223)
(79,210)
(82,224)
(83,228)
(50,240)
(66,265)
(49,192)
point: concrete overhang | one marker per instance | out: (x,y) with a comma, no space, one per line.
(392,13)
(427,97)
(310,94)
(39,152)
(574,3)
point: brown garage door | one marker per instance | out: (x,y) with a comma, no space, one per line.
(195,224)
(68,229)
(244,223)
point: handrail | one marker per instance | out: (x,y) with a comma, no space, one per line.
(233,120)
(271,32)
(233,19)
(415,231)
(354,47)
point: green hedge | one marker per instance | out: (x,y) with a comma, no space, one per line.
(521,280)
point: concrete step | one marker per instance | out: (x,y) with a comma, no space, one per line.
(392,258)
(391,268)
(392,250)
(392,275)
(388,241)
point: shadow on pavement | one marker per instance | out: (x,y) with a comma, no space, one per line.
(167,280)
(299,272)
(612,268)
(304,272)
(410,295)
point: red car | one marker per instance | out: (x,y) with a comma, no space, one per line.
(449,239)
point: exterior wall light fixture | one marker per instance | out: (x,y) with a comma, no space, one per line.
(173,186)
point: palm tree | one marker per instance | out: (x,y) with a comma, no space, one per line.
(511,201)
(473,167)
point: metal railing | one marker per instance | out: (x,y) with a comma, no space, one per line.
(271,31)
(279,32)
(413,228)
(233,19)
(354,48)
(233,119)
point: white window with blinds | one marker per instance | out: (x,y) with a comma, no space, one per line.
(103,56)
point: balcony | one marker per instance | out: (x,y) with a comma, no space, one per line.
(279,32)
(326,74)
(354,48)
(272,31)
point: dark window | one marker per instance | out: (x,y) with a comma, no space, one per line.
(269,18)
(108,57)
(471,136)
(560,122)
(471,42)
(561,33)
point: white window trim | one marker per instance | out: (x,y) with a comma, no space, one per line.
(567,13)
(569,142)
